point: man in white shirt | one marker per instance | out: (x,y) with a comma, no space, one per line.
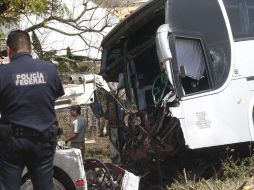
(77,139)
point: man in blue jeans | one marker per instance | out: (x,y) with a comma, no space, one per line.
(28,89)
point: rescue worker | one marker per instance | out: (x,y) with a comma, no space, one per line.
(28,89)
(77,139)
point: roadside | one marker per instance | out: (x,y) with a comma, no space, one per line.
(236,175)
(98,148)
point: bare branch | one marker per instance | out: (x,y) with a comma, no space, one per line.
(92,20)
(88,44)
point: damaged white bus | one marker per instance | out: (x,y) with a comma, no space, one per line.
(187,68)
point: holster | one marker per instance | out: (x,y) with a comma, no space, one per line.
(50,135)
(6,132)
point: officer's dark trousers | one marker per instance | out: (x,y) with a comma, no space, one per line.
(31,152)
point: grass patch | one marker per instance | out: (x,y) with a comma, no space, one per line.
(236,175)
(101,154)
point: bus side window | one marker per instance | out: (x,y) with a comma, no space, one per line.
(192,65)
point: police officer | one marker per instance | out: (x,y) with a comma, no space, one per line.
(28,89)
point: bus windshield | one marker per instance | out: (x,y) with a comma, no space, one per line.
(241,17)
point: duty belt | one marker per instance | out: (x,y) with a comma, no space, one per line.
(19,131)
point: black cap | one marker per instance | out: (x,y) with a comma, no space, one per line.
(76,108)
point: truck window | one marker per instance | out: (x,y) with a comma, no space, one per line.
(192,65)
(241,17)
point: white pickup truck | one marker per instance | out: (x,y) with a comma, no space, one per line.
(69,173)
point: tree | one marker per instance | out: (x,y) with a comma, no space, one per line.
(117,3)
(10,10)
(86,21)
(37,45)
(81,18)
(82,23)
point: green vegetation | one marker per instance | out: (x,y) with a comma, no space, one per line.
(10,10)
(34,6)
(98,153)
(239,168)
(236,175)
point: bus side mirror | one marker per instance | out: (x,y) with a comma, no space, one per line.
(163,49)
(162,43)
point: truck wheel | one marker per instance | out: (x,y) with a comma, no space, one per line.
(61,181)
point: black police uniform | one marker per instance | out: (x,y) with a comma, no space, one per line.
(28,89)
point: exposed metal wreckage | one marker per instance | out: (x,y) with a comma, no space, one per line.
(109,176)
(146,141)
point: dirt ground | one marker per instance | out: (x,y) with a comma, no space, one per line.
(97,148)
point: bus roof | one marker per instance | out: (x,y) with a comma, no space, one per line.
(129,24)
